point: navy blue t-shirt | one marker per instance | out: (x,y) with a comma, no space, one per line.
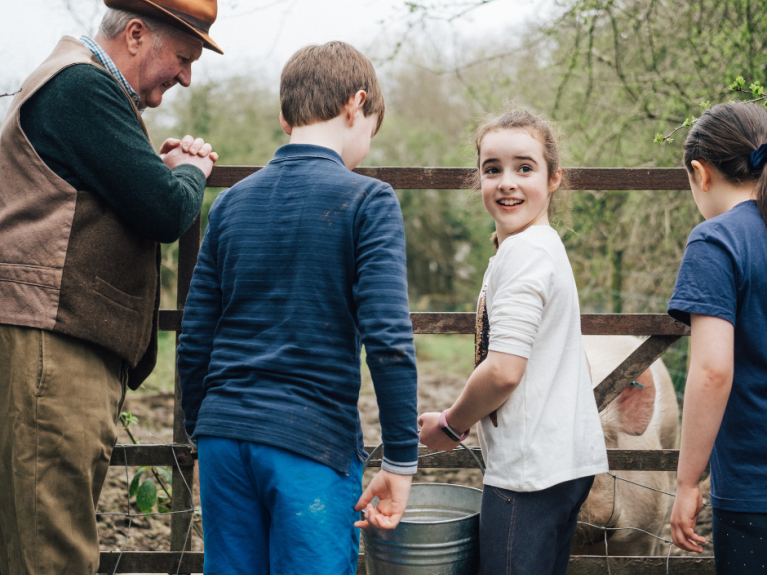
(724,275)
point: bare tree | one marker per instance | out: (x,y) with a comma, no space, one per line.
(85,13)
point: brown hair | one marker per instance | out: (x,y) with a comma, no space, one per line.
(724,136)
(540,129)
(318,81)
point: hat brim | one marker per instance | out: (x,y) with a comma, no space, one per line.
(148,8)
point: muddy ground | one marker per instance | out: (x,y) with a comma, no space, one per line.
(155,419)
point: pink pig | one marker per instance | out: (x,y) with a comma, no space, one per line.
(640,418)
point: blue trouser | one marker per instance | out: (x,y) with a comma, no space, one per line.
(269,510)
(740,542)
(530,532)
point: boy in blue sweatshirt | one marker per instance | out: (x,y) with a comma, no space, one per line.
(302,263)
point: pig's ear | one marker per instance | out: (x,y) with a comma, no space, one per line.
(636,405)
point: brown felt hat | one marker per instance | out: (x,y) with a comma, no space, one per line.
(193,16)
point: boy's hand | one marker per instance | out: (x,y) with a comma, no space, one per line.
(392,491)
(432,436)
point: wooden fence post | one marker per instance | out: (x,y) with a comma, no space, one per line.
(183,477)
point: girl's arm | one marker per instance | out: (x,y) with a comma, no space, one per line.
(488,388)
(709,382)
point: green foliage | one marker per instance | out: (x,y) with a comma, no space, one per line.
(135,482)
(238,117)
(737,84)
(128,419)
(429,123)
(161,379)
(146,496)
(145,492)
(611,74)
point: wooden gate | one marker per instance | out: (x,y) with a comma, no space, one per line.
(662,330)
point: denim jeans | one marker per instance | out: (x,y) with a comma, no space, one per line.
(267,511)
(740,542)
(530,532)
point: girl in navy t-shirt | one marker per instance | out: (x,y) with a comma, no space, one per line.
(721,291)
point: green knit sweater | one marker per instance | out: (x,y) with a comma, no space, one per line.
(83,127)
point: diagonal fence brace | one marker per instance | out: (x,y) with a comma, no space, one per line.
(631,368)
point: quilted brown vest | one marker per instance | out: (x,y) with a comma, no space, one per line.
(67,262)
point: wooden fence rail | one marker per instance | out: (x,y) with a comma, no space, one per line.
(618,459)
(661,329)
(168,562)
(460,178)
(464,322)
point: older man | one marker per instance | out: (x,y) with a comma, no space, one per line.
(84,201)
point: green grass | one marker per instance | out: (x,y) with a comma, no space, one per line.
(162,378)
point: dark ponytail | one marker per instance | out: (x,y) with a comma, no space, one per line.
(730,138)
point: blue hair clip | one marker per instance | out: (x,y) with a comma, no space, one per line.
(637,384)
(758,157)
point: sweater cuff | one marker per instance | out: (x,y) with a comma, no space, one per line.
(399,468)
(400,460)
(192,173)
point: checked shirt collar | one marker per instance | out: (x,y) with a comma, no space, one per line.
(107,62)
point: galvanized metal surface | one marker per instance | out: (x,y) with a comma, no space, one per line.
(438,535)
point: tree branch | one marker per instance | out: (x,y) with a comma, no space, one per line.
(737,87)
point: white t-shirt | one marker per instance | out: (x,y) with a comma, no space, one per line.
(549,429)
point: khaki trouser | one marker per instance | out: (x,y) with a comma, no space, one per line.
(60,400)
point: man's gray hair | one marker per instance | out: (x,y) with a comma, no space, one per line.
(115,22)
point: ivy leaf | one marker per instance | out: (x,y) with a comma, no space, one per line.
(146,496)
(134,484)
(163,509)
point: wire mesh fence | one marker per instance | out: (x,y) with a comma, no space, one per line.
(654,324)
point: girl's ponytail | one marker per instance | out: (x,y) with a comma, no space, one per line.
(733,139)
(758,161)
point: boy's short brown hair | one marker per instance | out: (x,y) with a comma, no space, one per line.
(318,81)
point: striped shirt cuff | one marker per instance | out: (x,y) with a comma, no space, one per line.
(399,468)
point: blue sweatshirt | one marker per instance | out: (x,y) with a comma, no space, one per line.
(301,264)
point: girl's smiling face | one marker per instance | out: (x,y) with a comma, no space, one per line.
(515,181)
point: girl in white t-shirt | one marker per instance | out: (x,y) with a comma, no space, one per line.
(539,428)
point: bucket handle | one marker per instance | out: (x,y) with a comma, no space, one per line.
(471,452)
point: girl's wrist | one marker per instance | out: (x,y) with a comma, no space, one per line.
(686,483)
(449,430)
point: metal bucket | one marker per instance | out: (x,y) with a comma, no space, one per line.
(438,535)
